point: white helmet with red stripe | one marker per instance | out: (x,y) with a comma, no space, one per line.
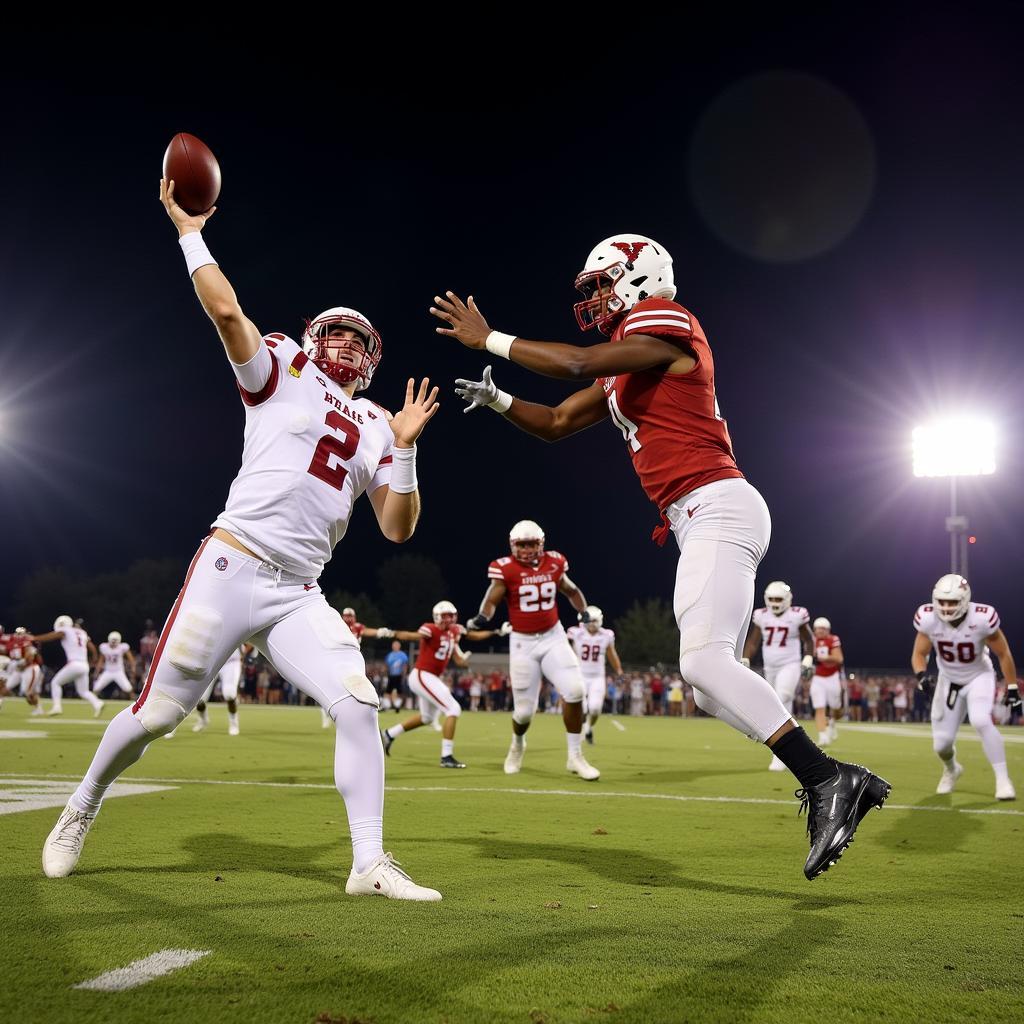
(337,356)
(526,539)
(62,622)
(349,615)
(620,272)
(951,597)
(445,614)
(778,597)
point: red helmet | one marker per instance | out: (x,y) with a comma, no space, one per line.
(327,352)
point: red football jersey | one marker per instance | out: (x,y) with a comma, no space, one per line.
(676,436)
(532,593)
(437,647)
(823,646)
(19,648)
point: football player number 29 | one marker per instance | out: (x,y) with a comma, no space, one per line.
(537,599)
(342,448)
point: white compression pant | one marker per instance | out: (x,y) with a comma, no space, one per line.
(229,677)
(722,530)
(595,690)
(227,598)
(784,679)
(826,691)
(548,654)
(433,696)
(78,673)
(974,701)
(108,676)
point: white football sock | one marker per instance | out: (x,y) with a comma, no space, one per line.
(123,742)
(359,776)
(395,731)
(575,741)
(447,748)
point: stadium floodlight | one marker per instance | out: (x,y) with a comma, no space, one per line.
(954,446)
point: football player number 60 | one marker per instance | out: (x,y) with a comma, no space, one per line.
(343,448)
(537,599)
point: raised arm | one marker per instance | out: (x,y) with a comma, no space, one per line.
(239,334)
(488,606)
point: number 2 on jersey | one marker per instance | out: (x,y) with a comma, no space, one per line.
(533,598)
(343,448)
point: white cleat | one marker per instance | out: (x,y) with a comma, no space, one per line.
(1005,790)
(776,765)
(580,766)
(514,759)
(98,710)
(949,777)
(63,845)
(232,728)
(833,733)
(823,739)
(201,724)
(170,735)
(385,878)
(37,711)
(52,713)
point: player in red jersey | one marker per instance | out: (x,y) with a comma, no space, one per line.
(827,684)
(530,580)
(655,376)
(439,642)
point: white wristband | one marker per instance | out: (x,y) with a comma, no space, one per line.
(502,403)
(403,470)
(499,344)
(196,253)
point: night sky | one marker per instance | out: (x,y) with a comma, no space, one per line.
(841,194)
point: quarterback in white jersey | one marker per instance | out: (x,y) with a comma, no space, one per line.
(782,631)
(311,448)
(962,634)
(113,653)
(79,651)
(594,644)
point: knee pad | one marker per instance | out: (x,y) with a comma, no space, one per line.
(362,689)
(454,711)
(522,707)
(192,644)
(161,714)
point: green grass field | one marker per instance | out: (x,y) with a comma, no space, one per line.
(671,890)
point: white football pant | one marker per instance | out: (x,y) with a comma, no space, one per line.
(548,654)
(433,696)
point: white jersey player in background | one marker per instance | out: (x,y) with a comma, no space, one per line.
(112,658)
(79,651)
(594,644)
(962,634)
(311,448)
(229,676)
(782,631)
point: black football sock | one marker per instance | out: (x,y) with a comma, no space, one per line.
(798,752)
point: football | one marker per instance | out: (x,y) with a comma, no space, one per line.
(193,168)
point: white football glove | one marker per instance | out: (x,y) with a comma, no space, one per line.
(506,628)
(745,662)
(384,633)
(478,393)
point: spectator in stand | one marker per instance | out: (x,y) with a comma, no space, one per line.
(675,698)
(475,692)
(147,648)
(899,701)
(636,696)
(657,691)
(855,697)
(398,668)
(612,694)
(873,696)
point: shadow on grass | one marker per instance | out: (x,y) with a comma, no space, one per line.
(930,833)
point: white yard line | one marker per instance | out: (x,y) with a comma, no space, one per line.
(12,734)
(138,972)
(594,792)
(618,725)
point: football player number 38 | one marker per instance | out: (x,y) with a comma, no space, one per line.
(537,599)
(342,447)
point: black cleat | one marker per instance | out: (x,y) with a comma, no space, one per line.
(589,736)
(835,809)
(386,740)
(450,762)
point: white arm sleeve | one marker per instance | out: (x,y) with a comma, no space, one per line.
(254,374)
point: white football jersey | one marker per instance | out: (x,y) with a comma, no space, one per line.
(780,634)
(591,648)
(309,452)
(113,656)
(960,651)
(75,642)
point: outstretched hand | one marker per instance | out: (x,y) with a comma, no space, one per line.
(408,424)
(467,322)
(477,392)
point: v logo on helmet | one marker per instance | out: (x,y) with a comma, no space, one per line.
(630,249)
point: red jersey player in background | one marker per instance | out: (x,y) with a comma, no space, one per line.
(655,377)
(827,684)
(439,642)
(530,580)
